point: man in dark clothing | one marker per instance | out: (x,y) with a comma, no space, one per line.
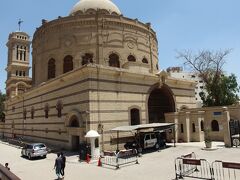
(63,164)
(58,165)
(6,166)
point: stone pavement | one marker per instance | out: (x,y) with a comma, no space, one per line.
(153,166)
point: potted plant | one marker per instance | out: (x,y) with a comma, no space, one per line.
(207,138)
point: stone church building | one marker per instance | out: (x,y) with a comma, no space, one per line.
(91,70)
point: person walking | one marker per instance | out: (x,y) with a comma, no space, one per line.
(63,164)
(6,166)
(57,165)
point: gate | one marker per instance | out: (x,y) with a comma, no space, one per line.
(226,170)
(234,126)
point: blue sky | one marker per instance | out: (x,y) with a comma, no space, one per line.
(179,24)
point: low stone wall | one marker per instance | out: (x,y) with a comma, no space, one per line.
(5,174)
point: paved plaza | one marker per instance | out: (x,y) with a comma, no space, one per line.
(154,165)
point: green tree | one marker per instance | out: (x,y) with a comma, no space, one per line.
(2,99)
(221,90)
(222,93)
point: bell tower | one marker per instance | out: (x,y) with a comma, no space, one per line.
(18,80)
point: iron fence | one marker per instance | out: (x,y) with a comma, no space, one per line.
(225,170)
(188,166)
(119,159)
(193,168)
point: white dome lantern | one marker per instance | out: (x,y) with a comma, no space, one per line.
(92,134)
(84,5)
(95,151)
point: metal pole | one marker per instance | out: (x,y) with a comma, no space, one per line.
(117,141)
(174,134)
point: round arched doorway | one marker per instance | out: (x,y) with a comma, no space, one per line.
(75,138)
(74,122)
(160,101)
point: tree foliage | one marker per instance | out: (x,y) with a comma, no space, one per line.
(220,89)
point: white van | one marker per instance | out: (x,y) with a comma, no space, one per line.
(150,140)
(144,140)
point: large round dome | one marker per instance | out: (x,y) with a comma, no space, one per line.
(84,5)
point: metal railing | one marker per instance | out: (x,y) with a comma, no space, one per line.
(193,168)
(121,158)
(189,166)
(191,155)
(226,170)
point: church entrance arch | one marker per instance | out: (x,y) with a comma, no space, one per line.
(75,129)
(160,101)
(74,123)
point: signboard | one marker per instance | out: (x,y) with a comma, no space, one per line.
(108,153)
(231,165)
(192,161)
(127,153)
(217,113)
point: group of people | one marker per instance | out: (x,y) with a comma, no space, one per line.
(59,165)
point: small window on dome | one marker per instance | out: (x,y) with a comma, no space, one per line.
(51,68)
(131,58)
(114,60)
(87,58)
(145,61)
(67,64)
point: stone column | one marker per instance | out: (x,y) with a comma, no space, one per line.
(226,129)
(186,127)
(200,135)
(176,126)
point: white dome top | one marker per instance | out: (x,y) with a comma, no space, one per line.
(84,5)
(92,134)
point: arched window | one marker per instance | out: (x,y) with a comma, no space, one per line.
(202,126)
(17,54)
(32,113)
(74,122)
(87,58)
(182,130)
(24,53)
(21,53)
(193,127)
(131,58)
(59,107)
(135,116)
(20,89)
(46,110)
(51,69)
(145,61)
(24,113)
(67,64)
(114,60)
(215,126)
